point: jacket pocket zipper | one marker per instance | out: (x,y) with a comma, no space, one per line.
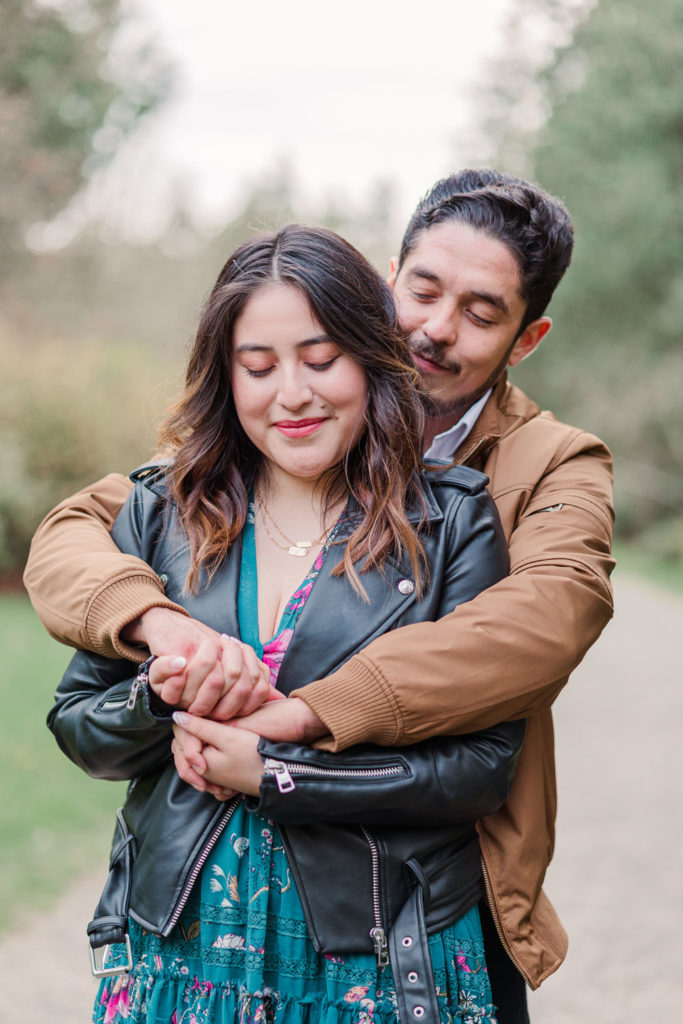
(285,783)
(185,895)
(114,705)
(377,932)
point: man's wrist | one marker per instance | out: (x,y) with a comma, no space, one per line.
(133,632)
(137,631)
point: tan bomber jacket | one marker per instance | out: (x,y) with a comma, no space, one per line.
(504,655)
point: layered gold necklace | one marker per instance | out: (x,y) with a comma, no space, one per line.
(296,548)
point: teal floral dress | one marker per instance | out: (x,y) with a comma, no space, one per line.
(240,953)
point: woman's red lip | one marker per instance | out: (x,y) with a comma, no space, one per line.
(299,423)
(298,428)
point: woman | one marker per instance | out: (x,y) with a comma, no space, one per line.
(295,443)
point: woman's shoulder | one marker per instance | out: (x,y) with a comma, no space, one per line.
(147,514)
(152,477)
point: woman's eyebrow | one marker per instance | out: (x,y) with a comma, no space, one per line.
(252,346)
(319,339)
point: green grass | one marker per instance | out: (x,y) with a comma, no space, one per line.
(55,822)
(635,562)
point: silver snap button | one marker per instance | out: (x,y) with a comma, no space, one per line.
(412,977)
(406,587)
(407,942)
(164,579)
(419,1011)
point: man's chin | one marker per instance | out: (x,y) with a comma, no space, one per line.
(436,407)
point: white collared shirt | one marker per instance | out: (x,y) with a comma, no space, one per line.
(444,446)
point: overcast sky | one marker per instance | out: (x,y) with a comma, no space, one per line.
(349,92)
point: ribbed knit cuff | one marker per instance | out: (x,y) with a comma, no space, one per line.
(356,704)
(117,604)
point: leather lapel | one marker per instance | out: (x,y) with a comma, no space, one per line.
(216,602)
(336,622)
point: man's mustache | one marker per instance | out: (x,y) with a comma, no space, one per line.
(428,350)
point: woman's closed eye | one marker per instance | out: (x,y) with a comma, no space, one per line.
(323,366)
(260,372)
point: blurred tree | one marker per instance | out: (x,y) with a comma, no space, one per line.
(64,110)
(609,140)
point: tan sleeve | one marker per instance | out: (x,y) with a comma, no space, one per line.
(82,587)
(507,653)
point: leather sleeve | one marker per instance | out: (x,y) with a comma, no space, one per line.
(104,723)
(447,780)
(508,652)
(82,587)
(96,726)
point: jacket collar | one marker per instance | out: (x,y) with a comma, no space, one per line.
(506,409)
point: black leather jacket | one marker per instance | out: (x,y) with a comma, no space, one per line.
(399,823)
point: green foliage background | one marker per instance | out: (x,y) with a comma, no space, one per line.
(93,336)
(611,146)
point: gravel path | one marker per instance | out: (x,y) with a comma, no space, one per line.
(616,879)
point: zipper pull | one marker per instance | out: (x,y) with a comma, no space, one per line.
(379,941)
(284,781)
(141,679)
(133,696)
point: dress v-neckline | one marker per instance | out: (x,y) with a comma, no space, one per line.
(247,598)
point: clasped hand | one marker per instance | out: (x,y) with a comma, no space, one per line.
(207,674)
(233,763)
(218,679)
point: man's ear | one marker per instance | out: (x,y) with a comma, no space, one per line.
(393,271)
(529,339)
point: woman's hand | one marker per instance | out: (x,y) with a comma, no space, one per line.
(200,670)
(233,763)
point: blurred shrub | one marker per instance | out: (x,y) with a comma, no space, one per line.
(68,415)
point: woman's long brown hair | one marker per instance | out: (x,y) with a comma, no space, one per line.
(215,465)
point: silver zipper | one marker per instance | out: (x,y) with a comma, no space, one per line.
(141,679)
(133,696)
(114,705)
(377,933)
(285,783)
(185,895)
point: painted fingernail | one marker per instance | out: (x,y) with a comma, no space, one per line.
(178,663)
(180,718)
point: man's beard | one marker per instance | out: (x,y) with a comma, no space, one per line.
(436,407)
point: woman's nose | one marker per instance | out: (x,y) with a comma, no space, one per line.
(294,390)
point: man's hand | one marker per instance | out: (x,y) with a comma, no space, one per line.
(289,720)
(220,675)
(233,763)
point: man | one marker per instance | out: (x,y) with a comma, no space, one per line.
(479,262)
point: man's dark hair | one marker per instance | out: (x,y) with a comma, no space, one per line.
(534,225)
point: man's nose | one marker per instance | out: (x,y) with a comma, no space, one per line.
(441,327)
